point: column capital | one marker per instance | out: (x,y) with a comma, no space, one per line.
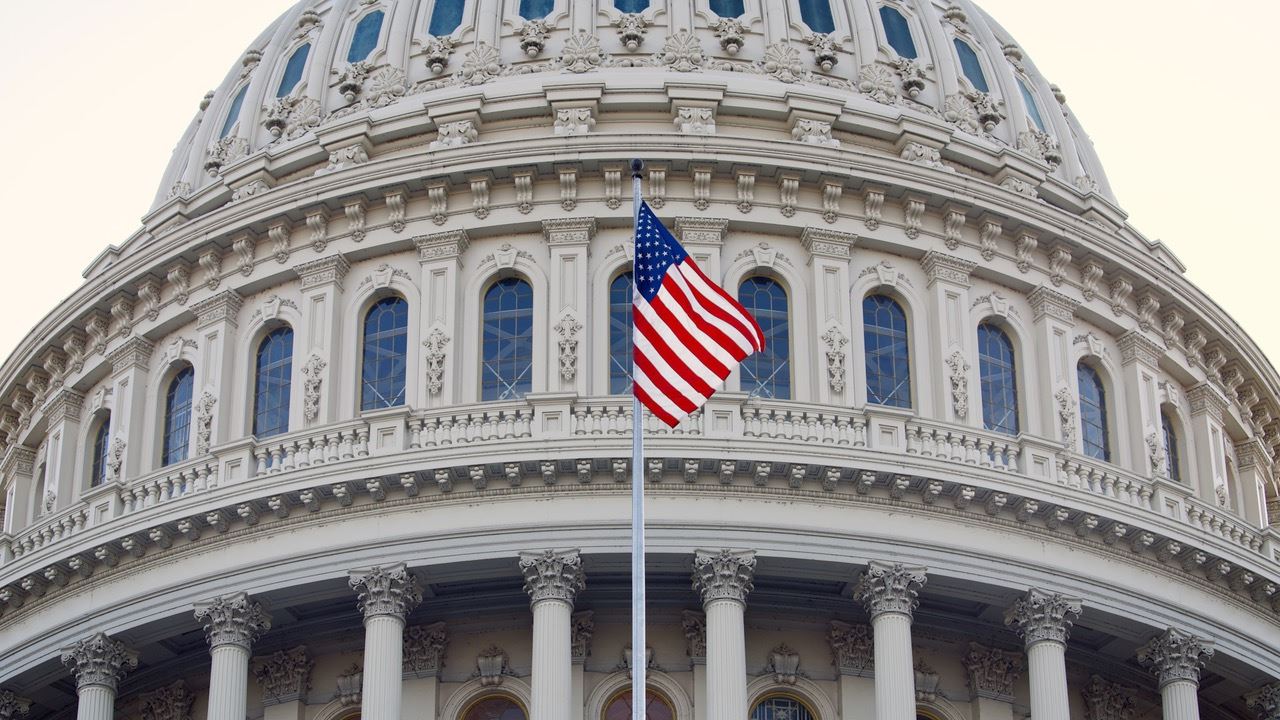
(992,672)
(1265,702)
(1176,656)
(889,588)
(13,707)
(285,676)
(222,307)
(853,647)
(694,625)
(724,574)
(1108,700)
(234,619)
(1136,347)
(833,244)
(569,231)
(947,268)
(99,660)
(132,353)
(171,702)
(552,575)
(1041,616)
(1048,302)
(442,245)
(424,647)
(327,270)
(387,590)
(701,231)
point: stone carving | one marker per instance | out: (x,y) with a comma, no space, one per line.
(1041,146)
(723,574)
(454,134)
(628,657)
(285,676)
(350,685)
(424,648)
(224,152)
(344,158)
(573,121)
(1175,656)
(889,588)
(1120,290)
(631,30)
(695,120)
(313,372)
(825,50)
(1265,702)
(926,682)
(581,628)
(1108,701)
(552,575)
(568,329)
(582,53)
(1155,453)
(172,702)
(482,64)
(784,664)
(437,53)
(813,132)
(852,648)
(1026,247)
(204,421)
(959,368)
(351,80)
(178,276)
(387,590)
(533,37)
(731,33)
(992,672)
(13,707)
(782,62)
(435,344)
(914,152)
(1041,616)
(912,75)
(1066,416)
(115,458)
(877,82)
(694,625)
(292,116)
(491,666)
(835,342)
(1021,187)
(99,660)
(233,620)
(681,52)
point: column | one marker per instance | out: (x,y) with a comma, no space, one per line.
(694,625)
(232,623)
(424,649)
(1175,658)
(553,580)
(584,628)
(386,595)
(888,591)
(98,664)
(853,650)
(723,578)
(1044,619)
(1265,702)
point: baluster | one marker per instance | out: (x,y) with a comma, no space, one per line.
(415,434)
(362,441)
(260,456)
(331,447)
(971,451)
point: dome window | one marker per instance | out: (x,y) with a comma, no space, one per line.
(535,9)
(101,446)
(177,416)
(631,6)
(293,70)
(1171,461)
(1093,413)
(365,39)
(999,378)
(971,66)
(271,390)
(767,374)
(728,8)
(898,32)
(1033,110)
(620,291)
(888,357)
(234,113)
(382,370)
(817,15)
(446,16)
(506,370)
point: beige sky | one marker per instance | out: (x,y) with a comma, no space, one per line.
(1177,96)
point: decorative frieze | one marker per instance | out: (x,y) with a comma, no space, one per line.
(172,702)
(285,676)
(387,590)
(233,620)
(852,648)
(1046,302)
(581,629)
(942,267)
(695,120)
(1176,656)
(330,269)
(13,707)
(424,649)
(552,575)
(723,574)
(99,660)
(1108,701)
(991,672)
(889,588)
(1042,616)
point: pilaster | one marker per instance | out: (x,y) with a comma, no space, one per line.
(322,294)
(216,322)
(569,240)
(1140,373)
(829,255)
(1264,702)
(1208,408)
(62,416)
(950,331)
(440,256)
(1053,317)
(13,707)
(130,369)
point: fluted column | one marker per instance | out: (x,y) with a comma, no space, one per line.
(553,580)
(13,707)
(888,591)
(1175,657)
(724,578)
(232,623)
(1265,702)
(98,664)
(1044,619)
(386,595)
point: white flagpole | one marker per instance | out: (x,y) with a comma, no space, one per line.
(639,650)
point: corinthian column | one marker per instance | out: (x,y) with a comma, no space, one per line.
(98,663)
(553,580)
(888,591)
(232,623)
(1265,703)
(723,578)
(386,594)
(1044,619)
(1175,658)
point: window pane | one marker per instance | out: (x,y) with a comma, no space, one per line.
(887,355)
(535,9)
(631,6)
(506,368)
(657,707)
(271,393)
(494,708)
(101,446)
(817,15)
(177,416)
(446,16)
(385,349)
(971,66)
(620,335)
(293,70)
(767,374)
(898,32)
(999,380)
(1093,413)
(728,8)
(1171,460)
(781,708)
(234,113)
(1033,111)
(365,39)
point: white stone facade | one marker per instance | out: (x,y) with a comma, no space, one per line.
(863,560)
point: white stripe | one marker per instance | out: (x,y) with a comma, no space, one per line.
(718,295)
(677,346)
(697,297)
(657,396)
(696,324)
(643,346)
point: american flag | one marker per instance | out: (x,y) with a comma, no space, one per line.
(689,333)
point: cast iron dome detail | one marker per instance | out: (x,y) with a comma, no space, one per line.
(723,574)
(1043,616)
(1175,656)
(890,588)
(386,590)
(99,660)
(234,619)
(552,575)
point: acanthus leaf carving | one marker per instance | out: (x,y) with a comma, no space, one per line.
(313,374)
(285,676)
(959,375)
(435,344)
(835,342)
(204,421)
(852,647)
(424,648)
(568,329)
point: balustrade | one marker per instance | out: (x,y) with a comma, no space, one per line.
(463,425)
(50,529)
(169,483)
(299,450)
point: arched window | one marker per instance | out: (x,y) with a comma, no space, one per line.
(657,707)
(293,70)
(971,66)
(767,374)
(1033,110)
(506,368)
(884,332)
(177,416)
(999,378)
(271,391)
(495,707)
(446,16)
(234,113)
(620,334)
(101,446)
(1172,461)
(782,707)
(728,8)
(386,339)
(631,6)
(898,32)
(365,39)
(1093,413)
(817,15)
(535,9)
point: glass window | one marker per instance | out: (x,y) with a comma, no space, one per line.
(507,360)
(234,113)
(898,32)
(446,16)
(494,708)
(767,374)
(293,70)
(620,291)
(999,379)
(888,357)
(817,15)
(177,416)
(728,8)
(1033,110)
(631,6)
(781,707)
(386,338)
(535,9)
(657,707)
(271,392)
(1171,460)
(1093,413)
(971,66)
(365,39)
(101,446)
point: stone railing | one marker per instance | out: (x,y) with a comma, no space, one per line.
(50,529)
(963,445)
(298,450)
(168,483)
(468,424)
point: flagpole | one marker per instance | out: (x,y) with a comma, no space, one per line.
(639,649)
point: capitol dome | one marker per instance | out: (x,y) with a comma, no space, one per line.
(343,431)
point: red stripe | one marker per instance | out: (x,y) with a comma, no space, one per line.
(673,355)
(675,396)
(685,337)
(676,294)
(749,332)
(654,407)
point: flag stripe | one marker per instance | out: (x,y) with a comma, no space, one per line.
(667,345)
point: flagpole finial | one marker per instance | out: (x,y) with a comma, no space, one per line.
(637,166)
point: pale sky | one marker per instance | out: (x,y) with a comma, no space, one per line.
(1177,95)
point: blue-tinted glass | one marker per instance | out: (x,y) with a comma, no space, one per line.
(898,32)
(101,445)
(620,335)
(1171,448)
(234,113)
(365,39)
(271,392)
(728,8)
(631,6)
(1033,110)
(506,366)
(817,15)
(971,66)
(293,70)
(177,416)
(767,374)
(1093,413)
(888,359)
(535,9)
(382,369)
(446,16)
(999,378)
(781,708)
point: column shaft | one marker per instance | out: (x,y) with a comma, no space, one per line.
(1047,673)
(228,682)
(895,673)
(383,661)
(1179,701)
(552,659)
(726,660)
(96,702)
